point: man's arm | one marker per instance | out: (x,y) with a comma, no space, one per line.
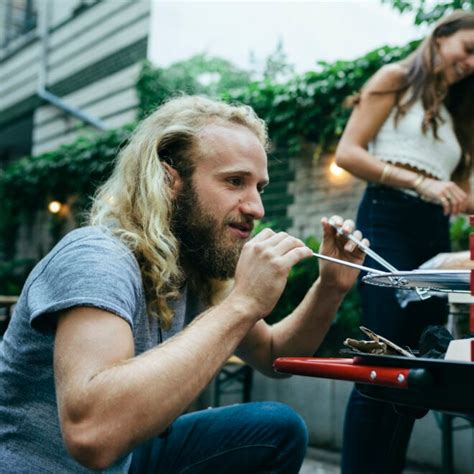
(301,332)
(110,401)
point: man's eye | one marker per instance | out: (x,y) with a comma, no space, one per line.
(235,181)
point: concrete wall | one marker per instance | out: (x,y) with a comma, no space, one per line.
(311,192)
(322,404)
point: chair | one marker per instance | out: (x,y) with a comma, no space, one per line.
(235,377)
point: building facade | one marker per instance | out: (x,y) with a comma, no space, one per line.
(66,67)
(70,66)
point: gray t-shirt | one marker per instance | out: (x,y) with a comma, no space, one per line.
(88,267)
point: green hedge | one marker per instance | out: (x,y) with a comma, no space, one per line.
(72,170)
(309,107)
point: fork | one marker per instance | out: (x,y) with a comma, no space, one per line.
(422,293)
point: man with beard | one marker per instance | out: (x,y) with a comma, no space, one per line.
(121,325)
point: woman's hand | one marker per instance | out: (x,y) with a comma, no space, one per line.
(446,193)
(338,246)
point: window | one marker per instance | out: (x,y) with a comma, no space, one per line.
(84,5)
(16,139)
(20,18)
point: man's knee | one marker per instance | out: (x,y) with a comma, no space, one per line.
(286,422)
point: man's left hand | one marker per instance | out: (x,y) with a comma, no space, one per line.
(338,246)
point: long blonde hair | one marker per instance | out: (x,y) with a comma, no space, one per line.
(135,203)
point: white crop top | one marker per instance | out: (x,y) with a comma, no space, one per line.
(407,144)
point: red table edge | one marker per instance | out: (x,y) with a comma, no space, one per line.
(471,246)
(343,369)
(346,369)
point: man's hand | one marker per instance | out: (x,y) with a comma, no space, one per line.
(261,276)
(338,246)
(263,269)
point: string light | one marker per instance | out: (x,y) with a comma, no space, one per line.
(335,170)
(54,207)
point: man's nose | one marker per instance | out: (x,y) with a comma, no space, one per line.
(253,206)
(470,63)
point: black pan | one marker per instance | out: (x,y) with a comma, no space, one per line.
(450,387)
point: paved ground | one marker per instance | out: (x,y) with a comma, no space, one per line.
(319,461)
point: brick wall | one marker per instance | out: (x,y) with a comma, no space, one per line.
(302,190)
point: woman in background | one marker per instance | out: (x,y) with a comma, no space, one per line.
(411,137)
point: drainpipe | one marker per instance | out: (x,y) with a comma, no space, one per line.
(42,77)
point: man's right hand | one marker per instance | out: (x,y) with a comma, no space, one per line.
(263,268)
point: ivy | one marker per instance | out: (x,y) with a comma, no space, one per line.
(72,170)
(198,75)
(307,108)
(311,107)
(429,12)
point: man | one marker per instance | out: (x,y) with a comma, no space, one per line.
(97,361)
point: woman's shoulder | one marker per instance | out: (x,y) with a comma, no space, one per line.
(390,77)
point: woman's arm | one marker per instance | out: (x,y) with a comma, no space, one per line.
(365,122)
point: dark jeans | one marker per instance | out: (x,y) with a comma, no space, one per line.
(406,231)
(265,437)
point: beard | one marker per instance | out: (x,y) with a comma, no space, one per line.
(206,248)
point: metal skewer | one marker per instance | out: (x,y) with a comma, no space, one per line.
(422,293)
(347,264)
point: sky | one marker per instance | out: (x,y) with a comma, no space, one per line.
(310,30)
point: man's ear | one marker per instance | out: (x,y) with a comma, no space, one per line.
(175,179)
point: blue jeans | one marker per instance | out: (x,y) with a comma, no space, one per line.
(406,231)
(262,437)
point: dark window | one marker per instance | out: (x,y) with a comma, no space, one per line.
(83,5)
(16,140)
(20,18)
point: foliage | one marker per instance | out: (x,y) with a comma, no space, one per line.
(76,169)
(311,106)
(199,74)
(300,279)
(13,274)
(429,12)
(308,107)
(277,68)
(459,232)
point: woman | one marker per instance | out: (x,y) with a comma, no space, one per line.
(411,137)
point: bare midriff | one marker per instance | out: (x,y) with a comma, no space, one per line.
(415,170)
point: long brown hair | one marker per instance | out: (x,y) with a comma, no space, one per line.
(426,81)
